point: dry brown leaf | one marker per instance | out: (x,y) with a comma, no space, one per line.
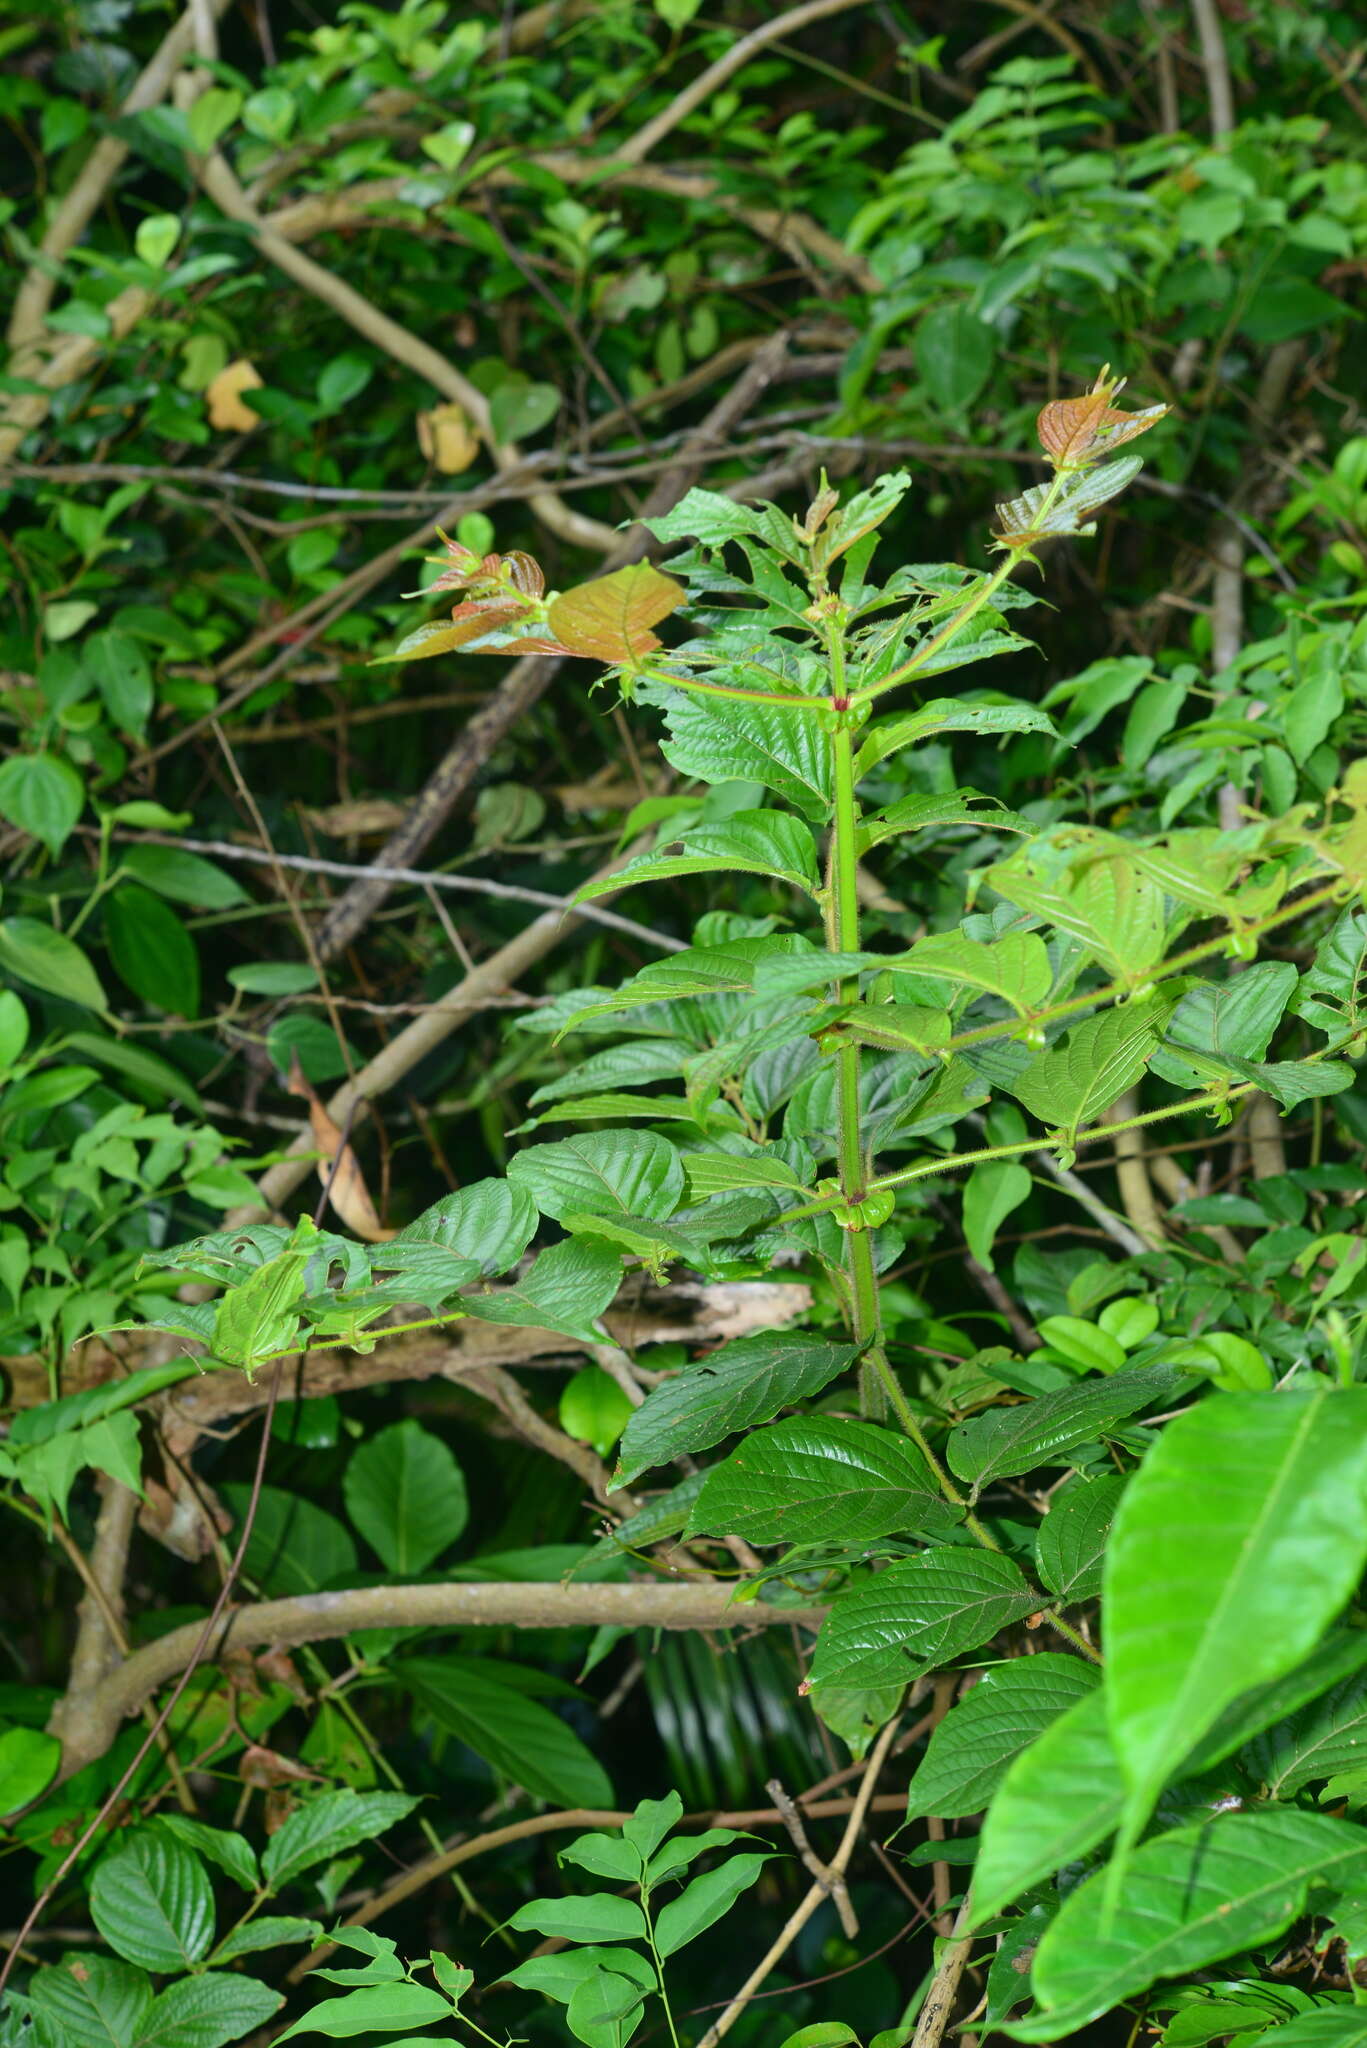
(365,818)
(339,1169)
(447,439)
(223,394)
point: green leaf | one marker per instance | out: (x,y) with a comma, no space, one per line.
(778,746)
(918,1614)
(524,1741)
(519,408)
(702,1903)
(946,714)
(268,1930)
(924,813)
(954,354)
(567,1289)
(819,1479)
(604,2011)
(406,1494)
(1072,1538)
(602,1173)
(372,2009)
(1309,712)
(969,1752)
(560,1974)
(1059,1798)
(1237,1542)
(13,1028)
(1029,516)
(993,1190)
(1224,1021)
(1015,966)
(42,795)
(88,2001)
(211,116)
(1099,1059)
(273,977)
(28,1765)
(1326,2026)
(122,676)
(295,1546)
(151,1901)
(182,877)
(593,1409)
(610,1856)
(733,1388)
(328,1826)
(153,954)
(1042,1431)
(705,516)
(598,1918)
(148,1069)
(750,842)
(1321,1741)
(49,961)
(207,2011)
(1190,1897)
(492,1221)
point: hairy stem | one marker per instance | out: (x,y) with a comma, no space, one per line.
(842,895)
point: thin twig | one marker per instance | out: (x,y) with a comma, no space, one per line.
(797,1920)
(418,878)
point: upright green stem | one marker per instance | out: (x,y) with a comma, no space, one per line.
(842,894)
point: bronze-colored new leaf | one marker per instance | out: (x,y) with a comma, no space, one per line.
(1077,431)
(610,619)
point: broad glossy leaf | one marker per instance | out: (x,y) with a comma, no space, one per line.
(328,1826)
(150,1899)
(232,1853)
(602,1173)
(597,1918)
(1328,2026)
(88,2001)
(207,2011)
(268,1930)
(1237,1542)
(819,1479)
(567,1289)
(182,877)
(969,1752)
(375,2008)
(917,1615)
(153,953)
(295,1546)
(749,842)
(1072,1537)
(782,748)
(559,1974)
(605,2010)
(492,1221)
(704,1901)
(523,1740)
(733,1388)
(49,960)
(1043,1430)
(406,1494)
(1190,1897)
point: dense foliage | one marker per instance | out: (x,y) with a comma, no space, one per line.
(734,1210)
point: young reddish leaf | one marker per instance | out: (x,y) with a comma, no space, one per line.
(1076,431)
(610,618)
(467,622)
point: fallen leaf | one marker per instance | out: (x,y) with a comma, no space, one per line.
(224,396)
(339,1169)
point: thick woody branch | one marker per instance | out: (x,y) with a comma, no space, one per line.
(91,1722)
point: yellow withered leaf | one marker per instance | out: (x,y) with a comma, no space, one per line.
(223,393)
